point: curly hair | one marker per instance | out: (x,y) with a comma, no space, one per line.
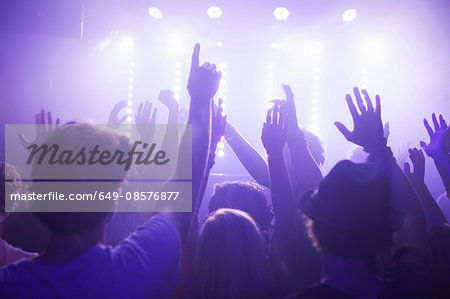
(248,197)
(365,247)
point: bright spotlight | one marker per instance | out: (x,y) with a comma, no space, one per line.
(126,42)
(214,12)
(281,13)
(349,15)
(220,44)
(176,43)
(155,13)
(125,46)
(374,49)
(275,45)
(220,153)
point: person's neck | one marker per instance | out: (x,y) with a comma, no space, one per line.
(62,249)
(351,276)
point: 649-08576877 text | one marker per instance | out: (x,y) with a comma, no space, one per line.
(97,195)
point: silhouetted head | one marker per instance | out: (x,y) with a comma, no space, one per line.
(357,154)
(231,258)
(350,214)
(245,196)
(74,137)
(316,146)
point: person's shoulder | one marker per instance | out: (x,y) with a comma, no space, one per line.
(159,224)
(14,270)
(409,259)
(155,234)
(409,275)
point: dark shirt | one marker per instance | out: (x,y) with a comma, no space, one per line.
(409,276)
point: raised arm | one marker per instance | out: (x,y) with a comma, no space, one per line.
(217,131)
(114,121)
(202,86)
(439,148)
(283,251)
(433,213)
(203,83)
(368,133)
(249,156)
(145,119)
(44,127)
(307,174)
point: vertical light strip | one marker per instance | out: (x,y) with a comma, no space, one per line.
(177,80)
(315,100)
(129,109)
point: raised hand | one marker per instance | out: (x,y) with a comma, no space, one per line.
(289,106)
(145,120)
(367,125)
(418,160)
(168,99)
(274,133)
(204,80)
(114,121)
(219,121)
(439,138)
(43,128)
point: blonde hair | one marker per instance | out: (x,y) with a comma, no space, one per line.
(231,261)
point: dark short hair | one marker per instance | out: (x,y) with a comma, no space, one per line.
(245,196)
(365,247)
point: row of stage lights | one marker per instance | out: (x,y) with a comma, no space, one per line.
(314,122)
(280,13)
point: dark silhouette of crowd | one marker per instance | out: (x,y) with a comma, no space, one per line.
(367,229)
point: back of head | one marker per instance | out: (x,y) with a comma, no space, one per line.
(351,216)
(316,146)
(357,154)
(231,259)
(245,196)
(73,137)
